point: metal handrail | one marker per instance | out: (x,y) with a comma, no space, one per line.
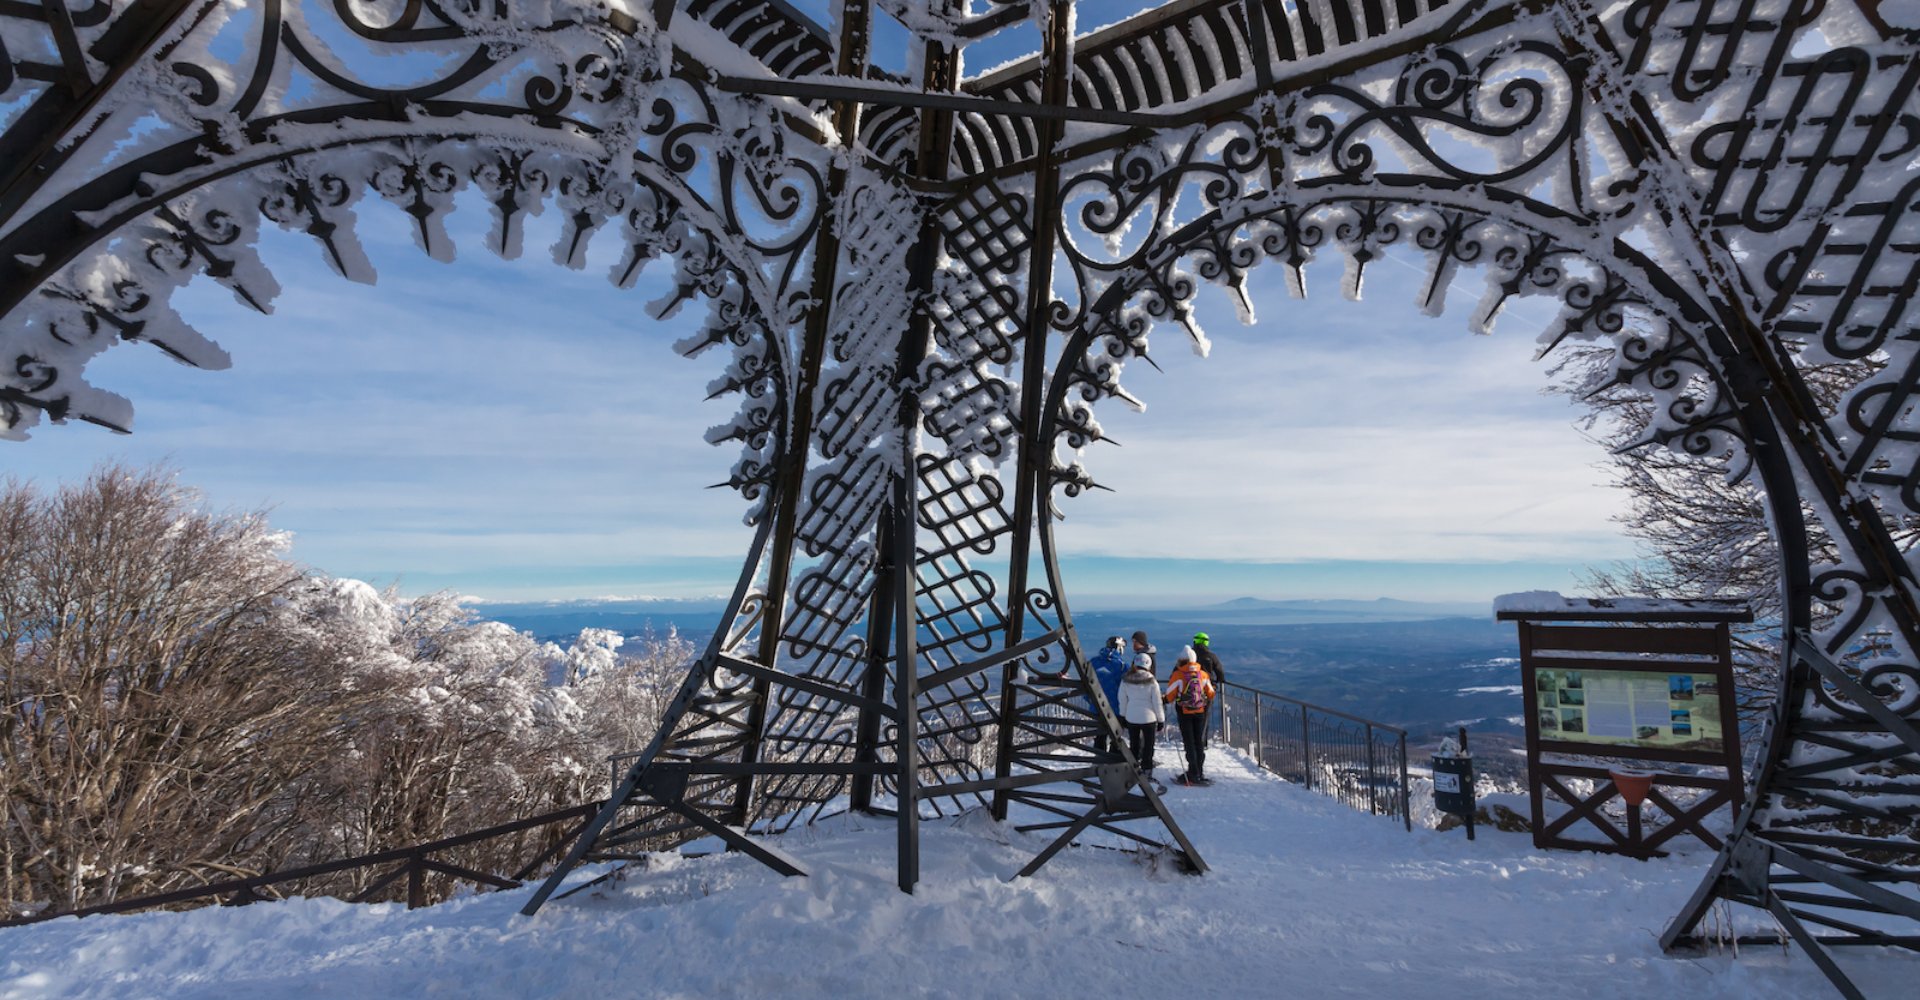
(1295,754)
(415,863)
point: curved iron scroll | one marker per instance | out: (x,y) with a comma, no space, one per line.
(921,284)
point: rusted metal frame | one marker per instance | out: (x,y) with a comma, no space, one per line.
(689,693)
(773,767)
(247,885)
(797,450)
(56,234)
(462,872)
(1821,899)
(31,150)
(1259,693)
(1843,842)
(1856,755)
(1034,454)
(1042,738)
(1762,379)
(1783,731)
(897,98)
(1891,722)
(375,887)
(1866,871)
(1066,837)
(1471,17)
(940,71)
(1106,823)
(873,684)
(631,833)
(622,793)
(1856,934)
(811,685)
(736,839)
(1009,784)
(1032,795)
(1014,652)
(67,42)
(559,844)
(1812,946)
(1406,787)
(1859,788)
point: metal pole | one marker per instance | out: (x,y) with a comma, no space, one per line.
(416,883)
(940,71)
(1035,454)
(854,25)
(866,742)
(1471,805)
(1306,747)
(1373,805)
(1259,743)
(1406,807)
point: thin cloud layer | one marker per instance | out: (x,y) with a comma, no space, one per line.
(517,430)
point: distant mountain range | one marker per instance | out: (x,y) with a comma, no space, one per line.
(1255,611)
(560,621)
(1424,666)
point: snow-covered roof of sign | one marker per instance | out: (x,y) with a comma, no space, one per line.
(1547,605)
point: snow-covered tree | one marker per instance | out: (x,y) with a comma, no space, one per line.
(158,718)
(1701,525)
(179,702)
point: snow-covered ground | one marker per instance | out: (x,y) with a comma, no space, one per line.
(1306,899)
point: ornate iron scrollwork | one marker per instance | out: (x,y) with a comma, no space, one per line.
(918,285)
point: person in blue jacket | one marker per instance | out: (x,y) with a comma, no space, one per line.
(1109,665)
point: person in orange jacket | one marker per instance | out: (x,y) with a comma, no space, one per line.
(1190,691)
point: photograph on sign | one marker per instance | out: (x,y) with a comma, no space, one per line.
(1679,711)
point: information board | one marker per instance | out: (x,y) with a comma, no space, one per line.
(1651,710)
(1629,701)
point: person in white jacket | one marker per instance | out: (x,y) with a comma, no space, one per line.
(1141,709)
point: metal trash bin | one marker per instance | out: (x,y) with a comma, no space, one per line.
(1453,782)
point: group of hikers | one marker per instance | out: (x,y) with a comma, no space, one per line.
(1129,677)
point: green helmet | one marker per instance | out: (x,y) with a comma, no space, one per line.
(1199,638)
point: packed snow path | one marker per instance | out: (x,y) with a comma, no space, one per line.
(1306,899)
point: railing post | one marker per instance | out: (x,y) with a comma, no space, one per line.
(416,882)
(1373,804)
(1259,744)
(1306,746)
(1406,805)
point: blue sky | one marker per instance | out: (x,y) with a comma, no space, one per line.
(522,431)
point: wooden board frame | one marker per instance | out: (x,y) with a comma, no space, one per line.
(1627,643)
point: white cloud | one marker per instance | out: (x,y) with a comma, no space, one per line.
(484,419)
(1340,430)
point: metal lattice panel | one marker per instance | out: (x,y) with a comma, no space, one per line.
(924,289)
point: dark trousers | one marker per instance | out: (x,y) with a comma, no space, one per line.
(1140,741)
(1193,736)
